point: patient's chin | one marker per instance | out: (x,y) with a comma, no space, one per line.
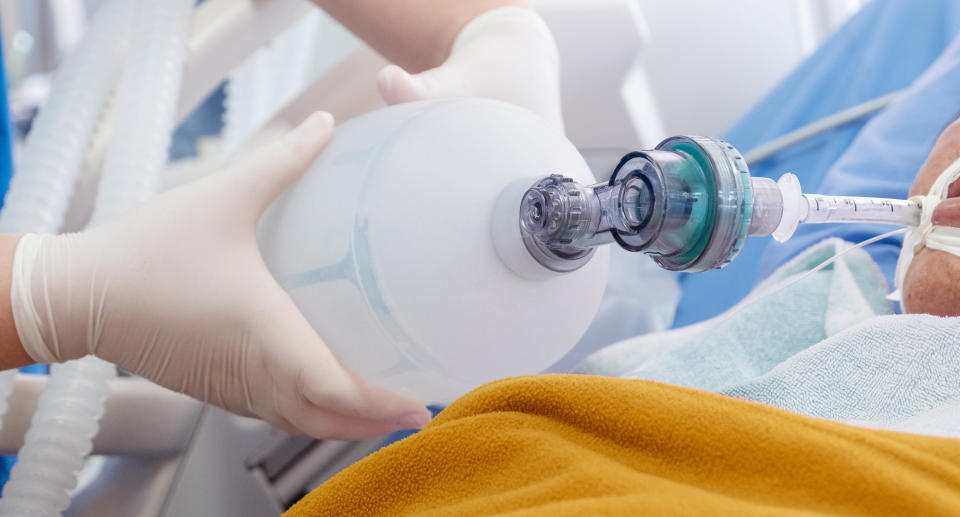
(932,284)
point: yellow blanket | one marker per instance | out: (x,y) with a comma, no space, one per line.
(556,445)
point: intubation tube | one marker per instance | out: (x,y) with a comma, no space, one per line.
(850,209)
(778,208)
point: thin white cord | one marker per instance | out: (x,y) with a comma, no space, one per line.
(793,281)
(848,115)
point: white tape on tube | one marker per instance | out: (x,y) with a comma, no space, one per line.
(943,238)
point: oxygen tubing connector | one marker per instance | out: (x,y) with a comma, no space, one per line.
(690,204)
(686,204)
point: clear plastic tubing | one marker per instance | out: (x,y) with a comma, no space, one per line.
(69,410)
(41,188)
(778,207)
(849,209)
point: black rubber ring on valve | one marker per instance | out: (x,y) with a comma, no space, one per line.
(613,178)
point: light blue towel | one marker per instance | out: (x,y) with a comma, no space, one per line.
(767,328)
(826,346)
(898,372)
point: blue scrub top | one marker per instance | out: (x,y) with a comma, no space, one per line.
(887,46)
(6,133)
(6,171)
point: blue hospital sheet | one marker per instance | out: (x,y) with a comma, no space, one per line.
(884,48)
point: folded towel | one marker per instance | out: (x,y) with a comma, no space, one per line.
(820,347)
(555,445)
(768,327)
(891,372)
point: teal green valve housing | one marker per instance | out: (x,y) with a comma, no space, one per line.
(689,204)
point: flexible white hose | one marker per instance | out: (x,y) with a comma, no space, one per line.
(55,148)
(59,438)
(40,190)
(68,413)
(146,108)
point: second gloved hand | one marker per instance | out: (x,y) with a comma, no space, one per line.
(176,291)
(506,53)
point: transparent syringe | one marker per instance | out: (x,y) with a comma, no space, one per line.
(849,209)
(783,204)
(690,204)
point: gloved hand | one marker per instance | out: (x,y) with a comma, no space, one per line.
(507,54)
(176,291)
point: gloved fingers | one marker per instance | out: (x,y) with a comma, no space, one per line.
(323,423)
(318,379)
(397,86)
(259,178)
(281,423)
(947,212)
(348,394)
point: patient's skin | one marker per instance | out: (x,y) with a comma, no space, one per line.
(932,284)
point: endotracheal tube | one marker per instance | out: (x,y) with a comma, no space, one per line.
(690,204)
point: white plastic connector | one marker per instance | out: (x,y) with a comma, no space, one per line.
(507,239)
(794,207)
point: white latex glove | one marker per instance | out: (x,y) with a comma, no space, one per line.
(506,53)
(176,291)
